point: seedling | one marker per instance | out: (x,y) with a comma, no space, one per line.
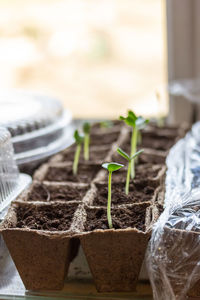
(111,167)
(129,159)
(137,123)
(86,130)
(79,140)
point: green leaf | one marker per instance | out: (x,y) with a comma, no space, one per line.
(136,154)
(130,119)
(132,115)
(111,167)
(141,122)
(86,128)
(123,154)
(78,138)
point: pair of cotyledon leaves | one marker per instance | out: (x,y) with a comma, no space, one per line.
(134,121)
(80,138)
(112,166)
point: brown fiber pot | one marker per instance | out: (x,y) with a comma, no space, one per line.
(115,258)
(41,257)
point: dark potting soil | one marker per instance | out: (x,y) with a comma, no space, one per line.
(103,139)
(49,217)
(153,141)
(94,155)
(122,218)
(160,209)
(137,193)
(47,193)
(85,173)
(157,142)
(142,173)
(168,131)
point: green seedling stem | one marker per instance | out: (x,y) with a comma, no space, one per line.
(133,149)
(86,130)
(136,123)
(129,159)
(111,167)
(79,140)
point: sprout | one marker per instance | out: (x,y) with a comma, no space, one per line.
(86,130)
(79,140)
(137,123)
(106,124)
(129,159)
(111,167)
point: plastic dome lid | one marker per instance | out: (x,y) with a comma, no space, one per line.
(39,125)
(12,183)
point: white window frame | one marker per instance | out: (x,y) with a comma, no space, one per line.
(183,40)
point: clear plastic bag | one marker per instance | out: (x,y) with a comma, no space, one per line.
(173,256)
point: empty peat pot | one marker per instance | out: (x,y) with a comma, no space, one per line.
(115,256)
(39,240)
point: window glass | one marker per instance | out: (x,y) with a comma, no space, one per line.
(99,57)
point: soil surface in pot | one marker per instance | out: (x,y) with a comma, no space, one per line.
(103,139)
(48,193)
(160,208)
(168,131)
(154,141)
(85,174)
(144,173)
(122,218)
(49,217)
(95,154)
(137,193)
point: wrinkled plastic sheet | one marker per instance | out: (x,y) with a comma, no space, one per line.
(173,256)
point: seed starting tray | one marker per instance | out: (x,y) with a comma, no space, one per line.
(79,284)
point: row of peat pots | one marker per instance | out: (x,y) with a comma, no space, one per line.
(61,210)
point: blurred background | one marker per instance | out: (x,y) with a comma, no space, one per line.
(100,57)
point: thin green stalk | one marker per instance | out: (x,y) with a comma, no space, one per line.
(86,146)
(109,201)
(76,159)
(161,122)
(128,178)
(133,150)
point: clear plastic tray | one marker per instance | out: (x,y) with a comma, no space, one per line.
(38,124)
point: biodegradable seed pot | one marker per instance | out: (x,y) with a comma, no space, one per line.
(97,154)
(61,208)
(138,193)
(55,191)
(147,174)
(62,171)
(115,256)
(38,239)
